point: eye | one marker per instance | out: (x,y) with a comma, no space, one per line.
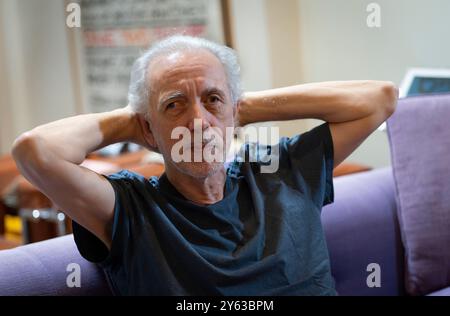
(213,99)
(171,105)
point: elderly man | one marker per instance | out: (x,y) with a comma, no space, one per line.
(203,227)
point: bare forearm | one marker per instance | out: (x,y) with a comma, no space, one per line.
(335,102)
(73,138)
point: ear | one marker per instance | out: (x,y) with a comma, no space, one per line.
(147,134)
(236,108)
(236,116)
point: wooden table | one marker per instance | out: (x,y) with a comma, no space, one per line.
(8,172)
(349,168)
(7,244)
(41,220)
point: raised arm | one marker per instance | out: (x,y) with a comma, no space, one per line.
(49,157)
(353,109)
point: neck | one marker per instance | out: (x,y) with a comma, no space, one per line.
(201,191)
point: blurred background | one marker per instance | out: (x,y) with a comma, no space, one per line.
(51,67)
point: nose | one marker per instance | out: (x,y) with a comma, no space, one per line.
(199,114)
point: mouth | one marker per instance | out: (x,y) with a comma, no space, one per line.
(203,144)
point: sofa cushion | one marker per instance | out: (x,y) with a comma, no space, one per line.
(419,134)
(443,292)
(362,229)
(42,269)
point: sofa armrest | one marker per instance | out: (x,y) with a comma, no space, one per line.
(361,227)
(40,269)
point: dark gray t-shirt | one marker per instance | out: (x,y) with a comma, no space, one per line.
(263,238)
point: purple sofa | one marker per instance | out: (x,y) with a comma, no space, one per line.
(361,227)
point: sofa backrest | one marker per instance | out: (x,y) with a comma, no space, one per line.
(361,227)
(419,138)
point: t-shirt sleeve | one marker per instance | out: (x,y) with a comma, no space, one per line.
(308,157)
(128,187)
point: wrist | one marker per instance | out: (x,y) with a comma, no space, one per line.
(245,114)
(121,125)
(257,107)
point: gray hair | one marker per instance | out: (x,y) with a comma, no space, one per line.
(139,92)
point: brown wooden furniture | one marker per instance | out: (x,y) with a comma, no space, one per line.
(2,218)
(29,200)
(8,171)
(349,168)
(123,160)
(41,220)
(7,244)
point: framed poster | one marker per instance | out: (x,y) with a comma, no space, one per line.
(114,33)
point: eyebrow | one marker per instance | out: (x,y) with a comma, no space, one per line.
(212,90)
(171,96)
(179,94)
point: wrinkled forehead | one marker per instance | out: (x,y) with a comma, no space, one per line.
(179,69)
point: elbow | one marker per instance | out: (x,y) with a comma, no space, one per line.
(21,146)
(27,151)
(380,98)
(389,94)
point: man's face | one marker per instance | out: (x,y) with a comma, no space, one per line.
(188,86)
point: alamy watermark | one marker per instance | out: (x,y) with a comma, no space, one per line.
(73,279)
(374,17)
(374,277)
(210,145)
(73,18)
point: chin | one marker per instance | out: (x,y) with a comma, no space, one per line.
(199,170)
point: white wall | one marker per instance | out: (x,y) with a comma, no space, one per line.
(36,75)
(266,38)
(13,109)
(279,43)
(336,44)
(332,42)
(250,29)
(34,59)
